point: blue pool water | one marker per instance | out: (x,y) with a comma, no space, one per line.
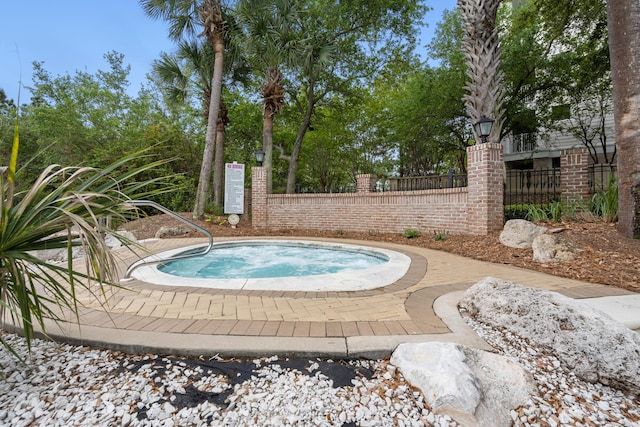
(254,261)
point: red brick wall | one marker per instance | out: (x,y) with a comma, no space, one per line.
(392,212)
(485,175)
(574,172)
(258,197)
(366,183)
(476,209)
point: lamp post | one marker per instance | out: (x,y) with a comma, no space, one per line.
(483,127)
(259,157)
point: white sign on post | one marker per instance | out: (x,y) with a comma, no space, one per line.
(234,188)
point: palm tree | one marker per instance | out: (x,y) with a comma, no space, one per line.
(193,65)
(271,40)
(481,46)
(184,16)
(63,209)
(623,18)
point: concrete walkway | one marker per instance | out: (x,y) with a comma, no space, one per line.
(143,317)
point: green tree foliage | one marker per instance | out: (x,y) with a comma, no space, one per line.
(338,56)
(424,115)
(553,56)
(90,119)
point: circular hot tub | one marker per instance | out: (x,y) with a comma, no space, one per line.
(279,265)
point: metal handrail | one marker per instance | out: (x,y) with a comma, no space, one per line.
(171,213)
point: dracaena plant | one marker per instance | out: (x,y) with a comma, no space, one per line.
(64,208)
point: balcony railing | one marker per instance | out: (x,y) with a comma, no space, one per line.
(523,143)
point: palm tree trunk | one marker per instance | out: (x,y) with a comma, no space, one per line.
(267,145)
(481,47)
(218,167)
(273,99)
(623,18)
(210,139)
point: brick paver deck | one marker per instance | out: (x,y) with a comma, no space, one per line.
(403,308)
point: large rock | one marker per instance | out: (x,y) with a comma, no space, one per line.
(552,248)
(586,341)
(518,233)
(171,231)
(474,387)
(59,255)
(116,239)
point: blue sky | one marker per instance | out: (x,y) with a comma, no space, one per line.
(72,35)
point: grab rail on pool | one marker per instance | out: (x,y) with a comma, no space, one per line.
(171,213)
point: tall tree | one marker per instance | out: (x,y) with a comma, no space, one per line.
(336,56)
(187,72)
(271,28)
(482,50)
(185,17)
(624,46)
(622,20)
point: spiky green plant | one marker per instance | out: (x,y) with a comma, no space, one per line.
(410,233)
(64,208)
(604,204)
(536,213)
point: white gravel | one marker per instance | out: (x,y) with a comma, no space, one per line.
(63,385)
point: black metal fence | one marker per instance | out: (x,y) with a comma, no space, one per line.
(532,186)
(601,176)
(300,189)
(430,182)
(522,186)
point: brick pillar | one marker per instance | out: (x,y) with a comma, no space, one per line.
(366,183)
(574,176)
(485,172)
(259,197)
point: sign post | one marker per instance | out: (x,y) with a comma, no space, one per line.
(234,188)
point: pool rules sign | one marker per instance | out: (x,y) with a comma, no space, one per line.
(234,188)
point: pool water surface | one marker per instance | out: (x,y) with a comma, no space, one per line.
(271,260)
(282,265)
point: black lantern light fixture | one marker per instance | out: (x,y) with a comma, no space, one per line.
(259,157)
(483,127)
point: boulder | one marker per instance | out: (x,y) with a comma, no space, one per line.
(59,255)
(114,242)
(473,387)
(171,231)
(591,344)
(552,248)
(518,233)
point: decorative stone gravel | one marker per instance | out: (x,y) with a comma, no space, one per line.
(63,385)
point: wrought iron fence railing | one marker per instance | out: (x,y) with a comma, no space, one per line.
(532,186)
(326,190)
(600,176)
(522,186)
(430,182)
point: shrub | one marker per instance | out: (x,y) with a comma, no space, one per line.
(515,211)
(410,233)
(604,204)
(439,236)
(536,213)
